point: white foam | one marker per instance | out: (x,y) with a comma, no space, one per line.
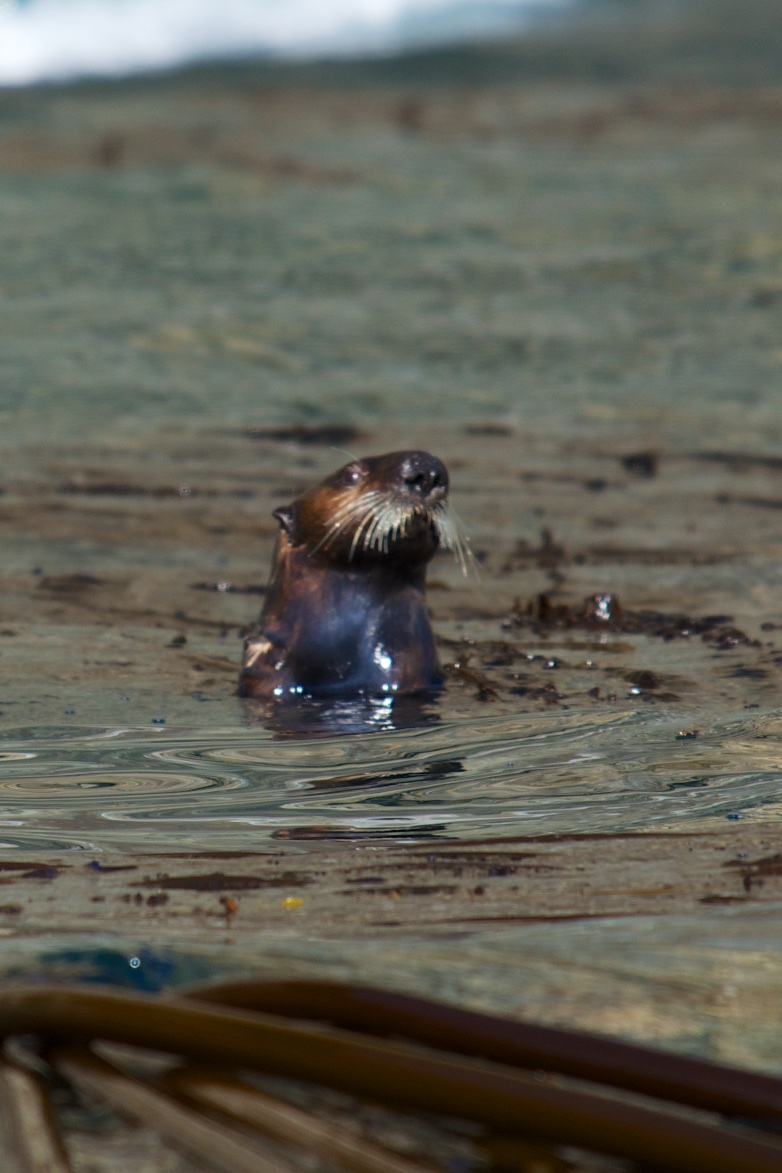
(44,40)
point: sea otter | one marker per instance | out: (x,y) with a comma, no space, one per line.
(345,611)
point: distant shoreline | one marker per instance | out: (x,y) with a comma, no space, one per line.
(603,42)
(68,40)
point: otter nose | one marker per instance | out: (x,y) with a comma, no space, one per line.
(423,473)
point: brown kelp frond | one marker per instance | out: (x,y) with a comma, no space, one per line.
(440,1060)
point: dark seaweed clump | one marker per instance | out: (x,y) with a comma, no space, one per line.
(605,612)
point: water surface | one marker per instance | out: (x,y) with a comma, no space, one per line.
(173,789)
(570,293)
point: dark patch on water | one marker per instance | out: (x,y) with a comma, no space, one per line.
(488,430)
(548,693)
(328,435)
(29,870)
(550,555)
(641,464)
(606,612)
(146,970)
(397,890)
(44,872)
(484,689)
(644,680)
(158,492)
(739,461)
(69,583)
(220,882)
(752,502)
(96,866)
(325,833)
(768,865)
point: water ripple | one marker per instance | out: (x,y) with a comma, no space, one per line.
(489,777)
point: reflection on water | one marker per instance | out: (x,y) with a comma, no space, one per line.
(135,789)
(309,717)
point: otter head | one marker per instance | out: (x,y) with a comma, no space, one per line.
(380,508)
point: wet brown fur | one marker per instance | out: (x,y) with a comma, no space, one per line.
(345,609)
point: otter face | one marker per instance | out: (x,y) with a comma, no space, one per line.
(392,507)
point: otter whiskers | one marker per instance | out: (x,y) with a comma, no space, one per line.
(378,523)
(390,523)
(452,537)
(359,510)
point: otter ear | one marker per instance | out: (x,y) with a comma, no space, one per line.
(286,516)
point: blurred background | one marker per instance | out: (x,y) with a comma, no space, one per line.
(46,40)
(57,39)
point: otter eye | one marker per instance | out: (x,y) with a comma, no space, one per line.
(352,474)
